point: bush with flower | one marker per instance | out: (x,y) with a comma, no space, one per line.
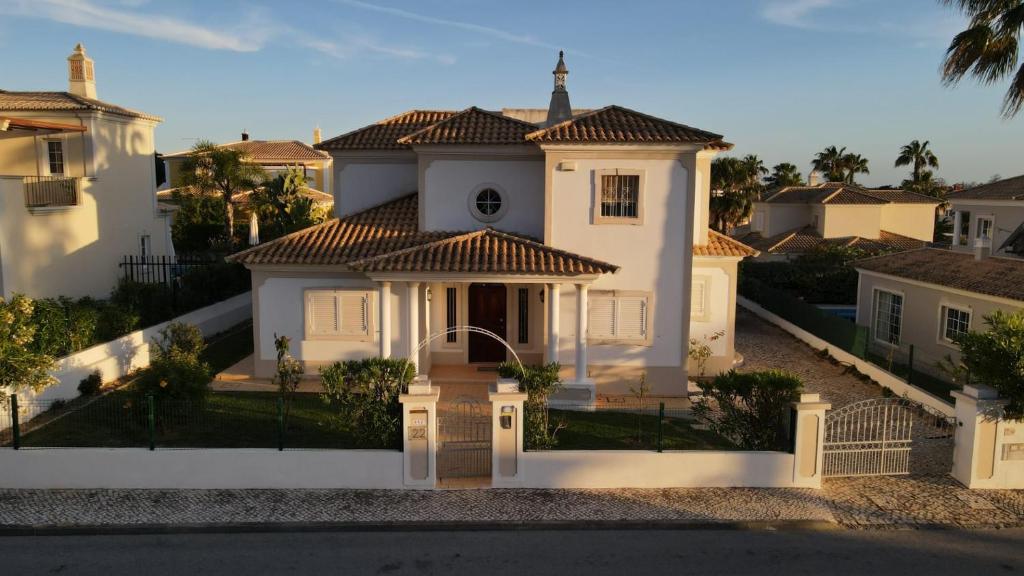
(21,367)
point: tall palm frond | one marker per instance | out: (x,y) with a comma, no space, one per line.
(918,155)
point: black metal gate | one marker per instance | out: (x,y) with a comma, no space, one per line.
(464,435)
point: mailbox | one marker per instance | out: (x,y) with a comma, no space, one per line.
(416,442)
(507,442)
(506,417)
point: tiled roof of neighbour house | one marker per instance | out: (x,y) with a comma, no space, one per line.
(386,238)
(384,135)
(722,245)
(167,195)
(618,125)
(60,101)
(472,126)
(993,276)
(842,193)
(487,251)
(1008,189)
(805,239)
(268,151)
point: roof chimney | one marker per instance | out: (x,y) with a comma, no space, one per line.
(812,178)
(559,109)
(245,136)
(81,74)
(317,135)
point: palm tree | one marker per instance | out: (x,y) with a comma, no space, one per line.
(734,183)
(989,48)
(785,174)
(853,164)
(754,170)
(212,169)
(830,163)
(919,156)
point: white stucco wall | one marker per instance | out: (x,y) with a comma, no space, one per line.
(76,251)
(449,184)
(359,185)
(1006,216)
(844,220)
(719,300)
(781,218)
(652,256)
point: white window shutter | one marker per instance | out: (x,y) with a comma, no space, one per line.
(355,313)
(601,321)
(323,313)
(632,323)
(698,298)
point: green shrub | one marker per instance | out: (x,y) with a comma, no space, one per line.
(366,393)
(751,409)
(539,383)
(91,384)
(994,357)
(115,321)
(176,371)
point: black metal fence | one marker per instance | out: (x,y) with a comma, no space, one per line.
(161,269)
(224,420)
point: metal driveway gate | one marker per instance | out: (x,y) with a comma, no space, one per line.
(869,438)
(464,435)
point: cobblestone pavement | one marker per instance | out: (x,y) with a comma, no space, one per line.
(139,507)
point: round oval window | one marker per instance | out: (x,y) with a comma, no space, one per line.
(488,202)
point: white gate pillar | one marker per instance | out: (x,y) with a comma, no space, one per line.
(988,451)
(412,312)
(419,434)
(553,295)
(385,319)
(506,433)
(809,445)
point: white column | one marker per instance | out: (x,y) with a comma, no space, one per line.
(553,296)
(581,332)
(413,312)
(385,319)
(956,227)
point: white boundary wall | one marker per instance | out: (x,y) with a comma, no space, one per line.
(883,377)
(641,469)
(117,358)
(229,468)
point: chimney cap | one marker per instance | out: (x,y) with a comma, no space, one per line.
(245,136)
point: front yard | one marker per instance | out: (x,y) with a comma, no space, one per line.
(615,430)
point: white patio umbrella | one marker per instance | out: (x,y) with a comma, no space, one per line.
(254,230)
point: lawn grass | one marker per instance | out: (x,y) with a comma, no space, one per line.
(227,420)
(608,430)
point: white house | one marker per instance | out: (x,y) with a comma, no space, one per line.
(77,189)
(581,239)
(792,220)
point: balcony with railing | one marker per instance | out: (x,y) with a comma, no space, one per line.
(44,192)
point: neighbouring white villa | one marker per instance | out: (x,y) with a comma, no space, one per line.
(792,220)
(927,297)
(77,189)
(578,238)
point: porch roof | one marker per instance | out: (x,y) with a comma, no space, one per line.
(12,124)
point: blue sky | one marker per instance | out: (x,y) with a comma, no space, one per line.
(779,78)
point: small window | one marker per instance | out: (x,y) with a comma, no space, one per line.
(963,235)
(145,245)
(955,323)
(55,153)
(699,298)
(523,331)
(488,203)
(620,317)
(451,314)
(338,314)
(620,196)
(983,230)
(888,317)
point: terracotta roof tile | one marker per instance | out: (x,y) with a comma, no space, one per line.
(487,251)
(57,101)
(385,238)
(842,193)
(618,125)
(1008,189)
(167,195)
(722,245)
(268,151)
(473,126)
(800,240)
(994,276)
(384,135)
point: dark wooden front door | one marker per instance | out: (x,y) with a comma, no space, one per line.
(487,311)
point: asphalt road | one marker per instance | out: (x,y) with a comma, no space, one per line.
(593,552)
